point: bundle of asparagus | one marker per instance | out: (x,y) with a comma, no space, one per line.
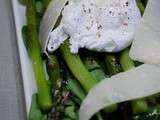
(60,98)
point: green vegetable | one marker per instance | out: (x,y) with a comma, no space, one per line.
(76,89)
(90,63)
(53,69)
(69,103)
(141,6)
(33,47)
(112,64)
(45,4)
(126,62)
(94,68)
(70,112)
(24,34)
(144,2)
(35,112)
(99,116)
(153,114)
(98,74)
(39,7)
(77,67)
(73,85)
(100,60)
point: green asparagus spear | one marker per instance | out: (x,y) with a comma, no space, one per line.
(75,88)
(35,112)
(152,114)
(39,7)
(125,61)
(70,112)
(139,105)
(94,68)
(53,69)
(112,64)
(77,67)
(140,5)
(32,43)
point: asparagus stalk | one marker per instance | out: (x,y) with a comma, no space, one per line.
(53,69)
(140,5)
(39,7)
(32,43)
(94,68)
(101,62)
(35,112)
(152,114)
(76,89)
(112,64)
(139,105)
(125,61)
(39,13)
(77,67)
(70,112)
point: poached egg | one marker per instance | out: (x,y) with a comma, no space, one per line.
(99,25)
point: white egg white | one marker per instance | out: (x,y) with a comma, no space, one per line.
(99,25)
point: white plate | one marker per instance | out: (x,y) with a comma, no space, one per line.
(26,68)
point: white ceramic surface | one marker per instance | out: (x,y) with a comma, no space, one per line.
(26,68)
